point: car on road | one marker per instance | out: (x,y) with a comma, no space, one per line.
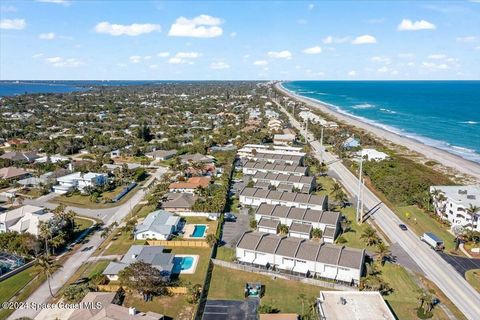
(403,227)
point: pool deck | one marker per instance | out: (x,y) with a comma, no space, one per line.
(188,230)
(194,265)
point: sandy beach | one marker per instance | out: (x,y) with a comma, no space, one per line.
(449,160)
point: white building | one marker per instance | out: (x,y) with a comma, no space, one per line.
(79,181)
(252,167)
(452,204)
(275,124)
(286,182)
(255,197)
(353,305)
(301,256)
(372,155)
(158,225)
(301,221)
(312,117)
(283,139)
(24,219)
(249,149)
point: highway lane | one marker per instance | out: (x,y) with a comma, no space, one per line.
(454,286)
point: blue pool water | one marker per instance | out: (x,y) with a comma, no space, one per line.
(199,231)
(182,263)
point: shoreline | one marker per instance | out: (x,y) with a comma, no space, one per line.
(443,157)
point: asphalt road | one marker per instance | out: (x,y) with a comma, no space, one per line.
(461,264)
(59,278)
(453,285)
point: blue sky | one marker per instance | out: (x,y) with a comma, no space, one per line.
(61,39)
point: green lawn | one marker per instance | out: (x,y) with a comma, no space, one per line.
(81,225)
(121,244)
(420,222)
(279,293)
(12,285)
(202,266)
(225,253)
(403,300)
(83,201)
(173,307)
(355,232)
(326,183)
(142,211)
(473,277)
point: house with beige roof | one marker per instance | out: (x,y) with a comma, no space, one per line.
(13,173)
(252,167)
(255,197)
(178,202)
(301,257)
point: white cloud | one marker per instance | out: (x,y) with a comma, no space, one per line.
(313,50)
(135,59)
(37,55)
(219,65)
(47,36)
(233,34)
(467,39)
(134,29)
(13,24)
(163,54)
(437,56)
(352,73)
(260,63)
(477,48)
(184,57)
(379,59)
(409,25)
(365,39)
(147,57)
(383,69)
(64,2)
(311,6)
(202,26)
(6,9)
(331,39)
(434,66)
(285,54)
(60,62)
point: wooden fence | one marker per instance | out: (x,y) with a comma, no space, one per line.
(180,243)
(286,276)
(116,287)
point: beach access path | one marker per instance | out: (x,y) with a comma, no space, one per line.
(453,285)
(445,158)
(83,254)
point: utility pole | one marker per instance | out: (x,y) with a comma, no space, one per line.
(306,131)
(361,201)
(359,188)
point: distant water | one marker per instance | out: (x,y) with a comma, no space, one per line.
(442,114)
(12,88)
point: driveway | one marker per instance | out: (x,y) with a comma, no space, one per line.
(231,310)
(233,230)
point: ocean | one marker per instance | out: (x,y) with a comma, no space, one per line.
(442,114)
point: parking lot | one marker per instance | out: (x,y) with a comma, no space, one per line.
(461,264)
(233,230)
(231,310)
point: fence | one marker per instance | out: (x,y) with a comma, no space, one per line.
(174,243)
(286,276)
(115,287)
(16,270)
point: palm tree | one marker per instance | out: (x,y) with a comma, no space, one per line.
(472,211)
(383,252)
(302,298)
(45,233)
(335,188)
(47,265)
(283,229)
(370,236)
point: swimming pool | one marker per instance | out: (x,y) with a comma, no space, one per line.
(184,263)
(199,231)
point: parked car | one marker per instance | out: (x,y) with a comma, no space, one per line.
(230,217)
(433,241)
(403,227)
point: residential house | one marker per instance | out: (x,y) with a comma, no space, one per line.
(372,155)
(20,156)
(301,221)
(80,181)
(275,124)
(52,159)
(178,202)
(278,158)
(452,203)
(153,255)
(351,143)
(161,154)
(191,185)
(197,157)
(255,197)
(301,257)
(16,142)
(23,219)
(250,149)
(158,225)
(283,139)
(13,173)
